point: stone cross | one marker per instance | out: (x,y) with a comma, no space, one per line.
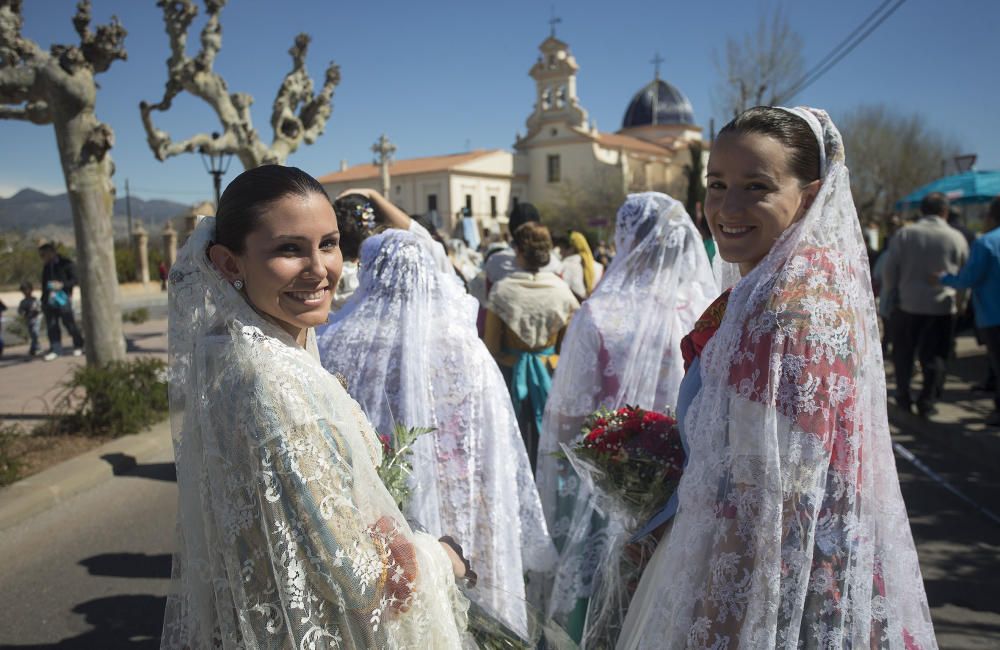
(383,150)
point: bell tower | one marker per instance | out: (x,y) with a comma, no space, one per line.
(555,88)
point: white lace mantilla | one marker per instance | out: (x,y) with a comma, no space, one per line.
(408,346)
(286,536)
(791,531)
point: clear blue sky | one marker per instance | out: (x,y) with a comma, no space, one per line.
(436,76)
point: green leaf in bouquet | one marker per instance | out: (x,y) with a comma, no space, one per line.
(396,467)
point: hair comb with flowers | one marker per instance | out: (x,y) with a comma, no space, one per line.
(365,215)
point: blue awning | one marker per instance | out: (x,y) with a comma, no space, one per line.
(961,189)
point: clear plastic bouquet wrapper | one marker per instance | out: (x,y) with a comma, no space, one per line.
(488,632)
(631,461)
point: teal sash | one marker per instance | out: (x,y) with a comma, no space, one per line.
(530,380)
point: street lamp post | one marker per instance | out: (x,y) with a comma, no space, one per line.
(216,164)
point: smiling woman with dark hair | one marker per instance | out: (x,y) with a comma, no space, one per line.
(790,530)
(287,537)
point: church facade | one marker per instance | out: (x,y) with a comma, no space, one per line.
(561,152)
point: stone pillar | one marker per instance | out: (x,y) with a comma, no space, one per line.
(169,244)
(140,239)
(190,223)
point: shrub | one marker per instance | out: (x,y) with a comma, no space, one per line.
(8,464)
(116,399)
(136,316)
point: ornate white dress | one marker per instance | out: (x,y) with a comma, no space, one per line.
(286,536)
(408,347)
(791,530)
(621,348)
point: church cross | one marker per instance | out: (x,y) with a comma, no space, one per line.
(656,61)
(553,21)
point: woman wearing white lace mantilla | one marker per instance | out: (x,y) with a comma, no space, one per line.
(408,348)
(286,536)
(622,348)
(791,530)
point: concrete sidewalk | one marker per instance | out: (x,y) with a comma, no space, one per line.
(30,387)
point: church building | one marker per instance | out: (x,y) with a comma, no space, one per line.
(561,152)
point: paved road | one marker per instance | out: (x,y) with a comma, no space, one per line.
(92,573)
(959,547)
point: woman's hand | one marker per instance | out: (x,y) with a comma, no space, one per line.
(366,192)
(459,565)
(386,212)
(403,555)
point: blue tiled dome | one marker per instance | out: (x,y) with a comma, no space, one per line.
(658,103)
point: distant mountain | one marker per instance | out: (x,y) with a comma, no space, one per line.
(33,212)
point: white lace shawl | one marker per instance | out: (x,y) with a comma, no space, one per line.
(535,306)
(407,345)
(622,348)
(792,532)
(286,536)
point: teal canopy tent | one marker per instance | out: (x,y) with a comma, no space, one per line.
(961,189)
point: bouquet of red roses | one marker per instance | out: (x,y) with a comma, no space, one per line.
(631,460)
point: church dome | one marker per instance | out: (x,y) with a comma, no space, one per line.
(658,103)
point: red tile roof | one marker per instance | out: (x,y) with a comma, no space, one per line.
(618,141)
(409,166)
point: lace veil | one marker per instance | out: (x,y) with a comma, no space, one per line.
(286,536)
(408,347)
(622,347)
(791,530)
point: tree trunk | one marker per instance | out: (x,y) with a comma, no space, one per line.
(88,182)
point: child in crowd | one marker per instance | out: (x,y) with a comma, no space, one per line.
(30,310)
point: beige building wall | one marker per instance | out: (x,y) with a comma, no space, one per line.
(486,180)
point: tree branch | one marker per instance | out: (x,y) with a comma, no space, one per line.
(296,94)
(34,112)
(197,77)
(17,85)
(104,47)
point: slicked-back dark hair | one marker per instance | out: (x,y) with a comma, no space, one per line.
(789,129)
(250,194)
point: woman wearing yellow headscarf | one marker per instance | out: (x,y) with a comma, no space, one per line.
(579,269)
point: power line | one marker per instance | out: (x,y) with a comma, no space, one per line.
(845,47)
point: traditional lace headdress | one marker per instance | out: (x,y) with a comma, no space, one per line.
(286,535)
(621,348)
(408,346)
(791,530)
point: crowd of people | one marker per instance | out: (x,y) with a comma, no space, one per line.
(303,328)
(923,274)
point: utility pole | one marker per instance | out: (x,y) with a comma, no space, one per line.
(128,209)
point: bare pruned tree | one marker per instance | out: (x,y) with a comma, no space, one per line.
(890,155)
(299,113)
(759,69)
(58,88)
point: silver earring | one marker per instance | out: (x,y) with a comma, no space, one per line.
(238,285)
